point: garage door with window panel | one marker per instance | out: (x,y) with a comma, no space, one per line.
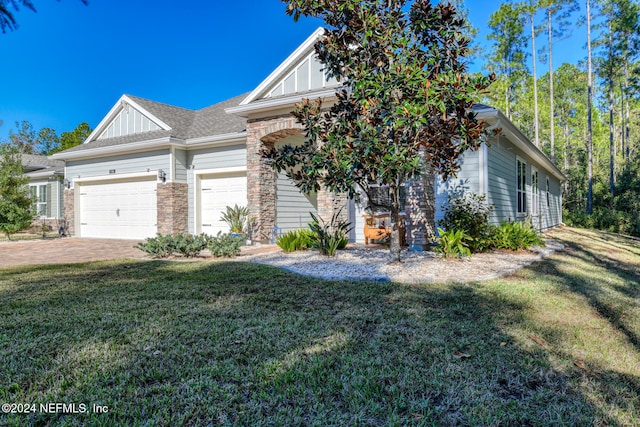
(216,193)
(119,209)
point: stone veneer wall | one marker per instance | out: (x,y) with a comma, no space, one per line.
(329,203)
(69,211)
(261,179)
(420,209)
(173,208)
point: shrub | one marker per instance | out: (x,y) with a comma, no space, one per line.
(225,245)
(470,213)
(296,240)
(189,245)
(236,218)
(330,236)
(452,244)
(160,246)
(516,236)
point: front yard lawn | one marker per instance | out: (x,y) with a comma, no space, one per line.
(227,343)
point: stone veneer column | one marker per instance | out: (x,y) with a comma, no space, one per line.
(261,178)
(173,208)
(420,211)
(69,216)
(329,203)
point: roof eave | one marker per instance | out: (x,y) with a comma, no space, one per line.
(164,142)
(520,140)
(280,102)
(217,139)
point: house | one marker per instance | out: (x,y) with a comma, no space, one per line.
(46,186)
(152,168)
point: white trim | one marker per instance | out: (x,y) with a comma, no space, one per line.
(517,138)
(276,75)
(114,177)
(219,171)
(524,213)
(267,104)
(197,178)
(158,143)
(172,164)
(119,106)
(483,169)
(217,139)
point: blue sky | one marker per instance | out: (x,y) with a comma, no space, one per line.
(69,63)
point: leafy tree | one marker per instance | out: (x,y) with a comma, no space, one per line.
(7,7)
(507,60)
(48,141)
(403,105)
(25,140)
(73,138)
(16,205)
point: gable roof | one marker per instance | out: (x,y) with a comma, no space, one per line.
(178,125)
(36,161)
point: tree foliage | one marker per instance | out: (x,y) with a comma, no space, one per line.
(404,102)
(46,141)
(16,205)
(9,7)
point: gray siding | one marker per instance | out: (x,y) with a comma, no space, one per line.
(54,196)
(467,180)
(503,186)
(181,166)
(502,180)
(219,157)
(191,201)
(293,207)
(122,164)
(232,156)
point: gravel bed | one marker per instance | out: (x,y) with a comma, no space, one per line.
(360,263)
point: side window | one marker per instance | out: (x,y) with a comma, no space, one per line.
(39,194)
(521,192)
(535,192)
(548,195)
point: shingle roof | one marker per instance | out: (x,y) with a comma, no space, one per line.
(35,161)
(184,123)
(121,140)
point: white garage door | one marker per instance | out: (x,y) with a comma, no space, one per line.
(216,193)
(120,209)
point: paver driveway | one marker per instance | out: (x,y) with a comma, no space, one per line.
(66,250)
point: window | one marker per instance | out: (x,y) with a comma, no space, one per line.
(521,193)
(548,195)
(535,192)
(39,194)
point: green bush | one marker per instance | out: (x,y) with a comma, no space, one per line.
(452,244)
(470,213)
(516,236)
(330,236)
(160,246)
(225,245)
(188,245)
(236,218)
(296,240)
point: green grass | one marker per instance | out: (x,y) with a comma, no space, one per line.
(213,343)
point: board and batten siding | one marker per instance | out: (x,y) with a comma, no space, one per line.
(467,180)
(293,207)
(502,187)
(181,158)
(232,156)
(122,164)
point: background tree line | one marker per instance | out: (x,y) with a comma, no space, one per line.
(46,141)
(585,116)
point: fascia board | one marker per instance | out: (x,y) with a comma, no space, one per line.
(224,139)
(114,112)
(133,147)
(284,66)
(274,103)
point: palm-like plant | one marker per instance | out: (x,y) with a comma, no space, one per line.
(8,7)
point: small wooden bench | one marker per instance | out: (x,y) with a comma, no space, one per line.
(377,227)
